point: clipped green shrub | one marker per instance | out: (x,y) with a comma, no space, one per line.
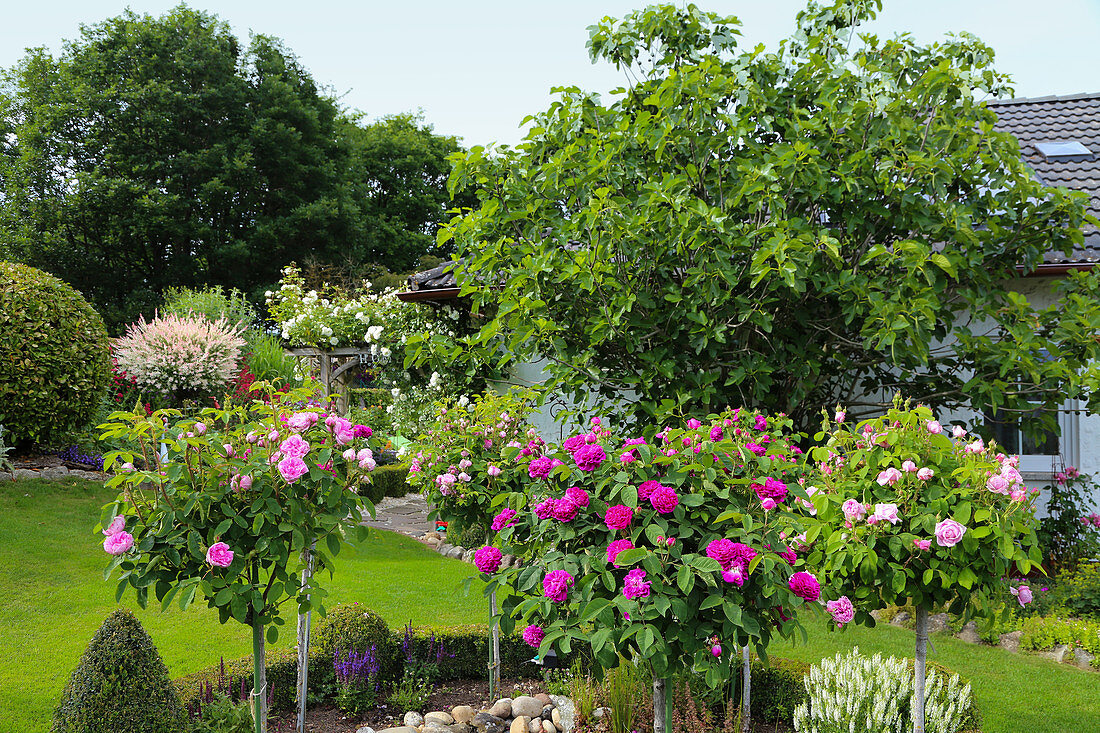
(120,685)
(777,689)
(54,357)
(389,481)
(351,626)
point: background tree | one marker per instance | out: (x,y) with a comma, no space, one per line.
(768,228)
(157,152)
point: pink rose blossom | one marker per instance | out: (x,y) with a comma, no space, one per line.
(627,457)
(493,471)
(635,585)
(292,468)
(1023,595)
(294,446)
(909,467)
(997,484)
(302,421)
(616,547)
(506,517)
(934,427)
(716,650)
(768,504)
(219,555)
(349,454)
(556,585)
(487,559)
(853,510)
(949,532)
(533,635)
(925,474)
(958,431)
(618,517)
(117,525)
(923,544)
(245,483)
(200,428)
(664,499)
(887,512)
(839,416)
(805,586)
(118,543)
(841,610)
(889,477)
(1017,494)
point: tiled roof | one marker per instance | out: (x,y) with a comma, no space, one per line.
(1060,119)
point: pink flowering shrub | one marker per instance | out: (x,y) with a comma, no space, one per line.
(181,357)
(907,512)
(667,550)
(221,517)
(460,463)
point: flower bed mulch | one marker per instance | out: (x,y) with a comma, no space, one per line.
(329,718)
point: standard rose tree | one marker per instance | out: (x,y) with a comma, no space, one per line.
(223,506)
(666,549)
(905,513)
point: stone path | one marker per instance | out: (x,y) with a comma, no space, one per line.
(407,515)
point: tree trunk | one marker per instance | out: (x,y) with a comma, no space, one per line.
(746,680)
(303,641)
(259,676)
(918,670)
(494,649)
(659,705)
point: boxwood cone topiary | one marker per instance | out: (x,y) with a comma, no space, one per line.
(120,685)
(54,356)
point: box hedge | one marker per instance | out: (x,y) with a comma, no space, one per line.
(387,481)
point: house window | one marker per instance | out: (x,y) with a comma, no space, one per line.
(1040,452)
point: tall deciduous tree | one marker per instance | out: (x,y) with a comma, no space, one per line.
(157,152)
(830,221)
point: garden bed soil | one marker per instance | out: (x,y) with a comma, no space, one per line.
(475,693)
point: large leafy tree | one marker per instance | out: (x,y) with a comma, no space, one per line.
(157,152)
(827,222)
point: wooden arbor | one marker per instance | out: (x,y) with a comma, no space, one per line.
(332,367)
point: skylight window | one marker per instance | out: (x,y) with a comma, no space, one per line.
(1064,151)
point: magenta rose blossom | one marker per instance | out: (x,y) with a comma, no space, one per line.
(533,635)
(841,610)
(502,520)
(729,553)
(117,525)
(565,510)
(302,421)
(578,496)
(646,488)
(118,543)
(949,532)
(771,489)
(589,457)
(556,584)
(572,444)
(1023,595)
(219,555)
(735,575)
(540,467)
(635,585)
(716,433)
(545,509)
(664,499)
(618,517)
(292,468)
(487,559)
(805,586)
(616,547)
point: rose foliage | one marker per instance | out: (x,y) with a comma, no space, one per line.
(907,512)
(659,547)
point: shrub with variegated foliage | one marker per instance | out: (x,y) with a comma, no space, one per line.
(179,356)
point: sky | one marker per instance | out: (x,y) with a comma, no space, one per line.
(476,68)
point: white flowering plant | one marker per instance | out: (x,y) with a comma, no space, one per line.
(416,377)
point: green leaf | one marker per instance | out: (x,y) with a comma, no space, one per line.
(631,556)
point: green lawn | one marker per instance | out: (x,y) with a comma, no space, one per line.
(51,570)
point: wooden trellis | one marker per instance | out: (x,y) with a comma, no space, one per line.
(332,367)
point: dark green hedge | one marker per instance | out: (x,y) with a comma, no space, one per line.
(282,678)
(777,689)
